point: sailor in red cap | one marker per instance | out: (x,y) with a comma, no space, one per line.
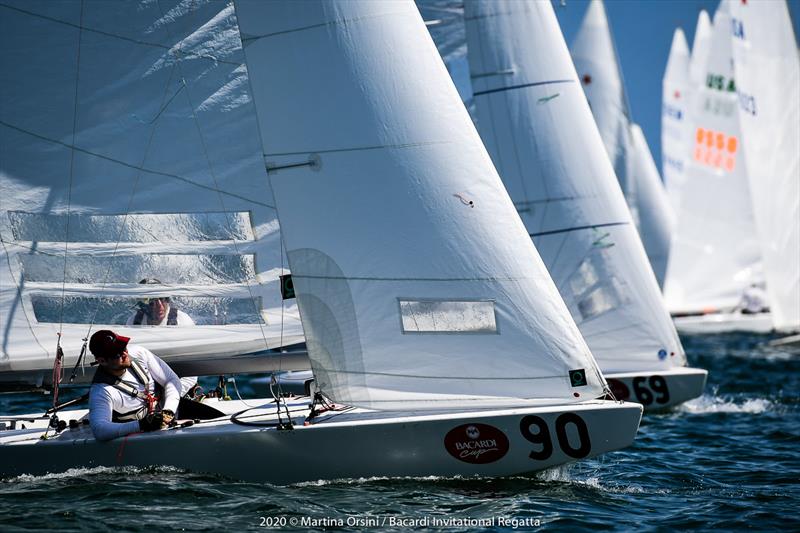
(132,390)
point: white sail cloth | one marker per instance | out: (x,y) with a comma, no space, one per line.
(417,283)
(715,252)
(599,70)
(767,71)
(538,128)
(701,47)
(130,151)
(674,106)
(656,219)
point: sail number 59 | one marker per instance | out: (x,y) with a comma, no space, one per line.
(535,430)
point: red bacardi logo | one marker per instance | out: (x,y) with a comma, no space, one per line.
(619,389)
(476,443)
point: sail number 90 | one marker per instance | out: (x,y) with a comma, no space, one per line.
(542,436)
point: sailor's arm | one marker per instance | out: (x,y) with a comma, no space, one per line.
(100,413)
(167,378)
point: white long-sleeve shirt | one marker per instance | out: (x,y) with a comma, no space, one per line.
(181,319)
(104,399)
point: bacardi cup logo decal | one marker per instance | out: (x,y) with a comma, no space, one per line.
(476,443)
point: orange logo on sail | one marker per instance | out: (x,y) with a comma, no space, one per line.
(715,149)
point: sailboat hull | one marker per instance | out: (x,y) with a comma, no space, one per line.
(660,390)
(724,323)
(345,444)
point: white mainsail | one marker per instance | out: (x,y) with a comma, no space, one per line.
(767,70)
(656,219)
(130,151)
(416,281)
(599,70)
(715,254)
(674,107)
(538,128)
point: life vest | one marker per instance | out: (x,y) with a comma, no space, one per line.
(172,317)
(142,376)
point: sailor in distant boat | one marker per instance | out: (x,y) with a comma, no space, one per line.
(132,390)
(158,311)
(754,300)
(161,312)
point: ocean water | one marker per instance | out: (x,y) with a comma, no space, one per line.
(729,460)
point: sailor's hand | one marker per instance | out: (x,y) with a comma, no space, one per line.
(167,417)
(152,422)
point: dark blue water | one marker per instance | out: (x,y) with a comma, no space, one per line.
(727,461)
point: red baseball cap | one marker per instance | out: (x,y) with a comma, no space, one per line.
(106,343)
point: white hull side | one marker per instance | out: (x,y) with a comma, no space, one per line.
(659,390)
(724,323)
(347,445)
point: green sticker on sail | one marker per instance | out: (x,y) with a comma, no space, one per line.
(287,287)
(578,378)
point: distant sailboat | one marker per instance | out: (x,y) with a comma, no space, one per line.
(598,68)
(715,254)
(767,68)
(125,162)
(537,127)
(674,106)
(426,308)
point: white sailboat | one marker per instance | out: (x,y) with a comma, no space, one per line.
(425,305)
(674,106)
(715,254)
(114,171)
(599,70)
(538,128)
(767,69)
(684,72)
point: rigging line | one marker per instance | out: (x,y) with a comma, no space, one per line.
(81,27)
(139,168)
(212,173)
(577,228)
(71,175)
(130,201)
(521,86)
